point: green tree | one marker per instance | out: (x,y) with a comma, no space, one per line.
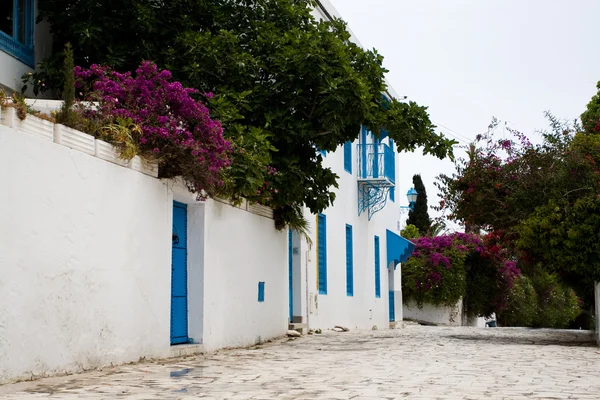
(284,83)
(419,217)
(410,232)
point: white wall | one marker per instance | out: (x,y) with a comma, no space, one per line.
(85,253)
(451,316)
(240,250)
(12,69)
(363,310)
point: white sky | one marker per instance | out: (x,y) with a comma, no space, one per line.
(470,60)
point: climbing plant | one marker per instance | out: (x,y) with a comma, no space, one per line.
(284,83)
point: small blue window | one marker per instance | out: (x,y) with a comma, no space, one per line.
(322,253)
(377,269)
(349,262)
(348,157)
(261,292)
(16,30)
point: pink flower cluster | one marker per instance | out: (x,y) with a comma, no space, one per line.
(171,120)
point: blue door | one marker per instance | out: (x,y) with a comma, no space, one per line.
(179,320)
(291,299)
(392,307)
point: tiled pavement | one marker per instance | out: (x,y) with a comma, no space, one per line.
(413,363)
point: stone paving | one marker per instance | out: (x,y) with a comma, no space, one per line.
(417,362)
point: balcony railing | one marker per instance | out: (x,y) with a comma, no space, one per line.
(376,162)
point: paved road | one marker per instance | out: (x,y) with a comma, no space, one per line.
(413,363)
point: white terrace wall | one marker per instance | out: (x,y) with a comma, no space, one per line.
(84,260)
(241,250)
(85,264)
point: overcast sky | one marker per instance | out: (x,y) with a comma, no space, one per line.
(470,60)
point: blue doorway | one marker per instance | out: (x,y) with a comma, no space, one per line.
(179,306)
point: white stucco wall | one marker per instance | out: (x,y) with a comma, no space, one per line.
(364,309)
(451,316)
(85,253)
(240,250)
(12,69)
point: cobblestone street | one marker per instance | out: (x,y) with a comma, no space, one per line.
(414,363)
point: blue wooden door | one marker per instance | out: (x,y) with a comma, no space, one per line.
(290,272)
(392,307)
(179,319)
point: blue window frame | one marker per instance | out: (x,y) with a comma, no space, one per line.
(16,30)
(349,262)
(348,157)
(261,292)
(377,269)
(322,253)
(393,194)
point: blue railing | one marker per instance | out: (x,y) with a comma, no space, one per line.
(376,161)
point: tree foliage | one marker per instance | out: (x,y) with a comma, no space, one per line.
(540,199)
(419,217)
(284,83)
(444,269)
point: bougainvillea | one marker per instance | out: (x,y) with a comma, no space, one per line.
(164,121)
(444,269)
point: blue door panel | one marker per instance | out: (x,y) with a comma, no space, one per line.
(179,273)
(179,332)
(179,306)
(392,307)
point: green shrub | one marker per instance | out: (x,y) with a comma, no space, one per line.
(542,301)
(522,304)
(558,304)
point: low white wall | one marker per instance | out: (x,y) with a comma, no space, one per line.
(240,250)
(597,316)
(451,316)
(85,253)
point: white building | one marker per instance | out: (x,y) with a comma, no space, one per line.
(350,275)
(102,263)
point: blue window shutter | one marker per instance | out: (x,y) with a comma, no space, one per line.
(322,253)
(377,269)
(393,194)
(349,262)
(348,157)
(261,292)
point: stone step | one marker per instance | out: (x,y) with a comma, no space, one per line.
(299,327)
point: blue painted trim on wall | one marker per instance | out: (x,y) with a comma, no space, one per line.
(377,268)
(23,52)
(363,141)
(349,262)
(290,278)
(398,248)
(261,292)
(392,306)
(348,157)
(322,252)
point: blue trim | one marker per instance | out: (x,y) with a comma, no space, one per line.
(398,248)
(348,157)
(290,278)
(377,268)
(349,262)
(23,52)
(322,251)
(393,194)
(363,154)
(392,306)
(261,292)
(179,298)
